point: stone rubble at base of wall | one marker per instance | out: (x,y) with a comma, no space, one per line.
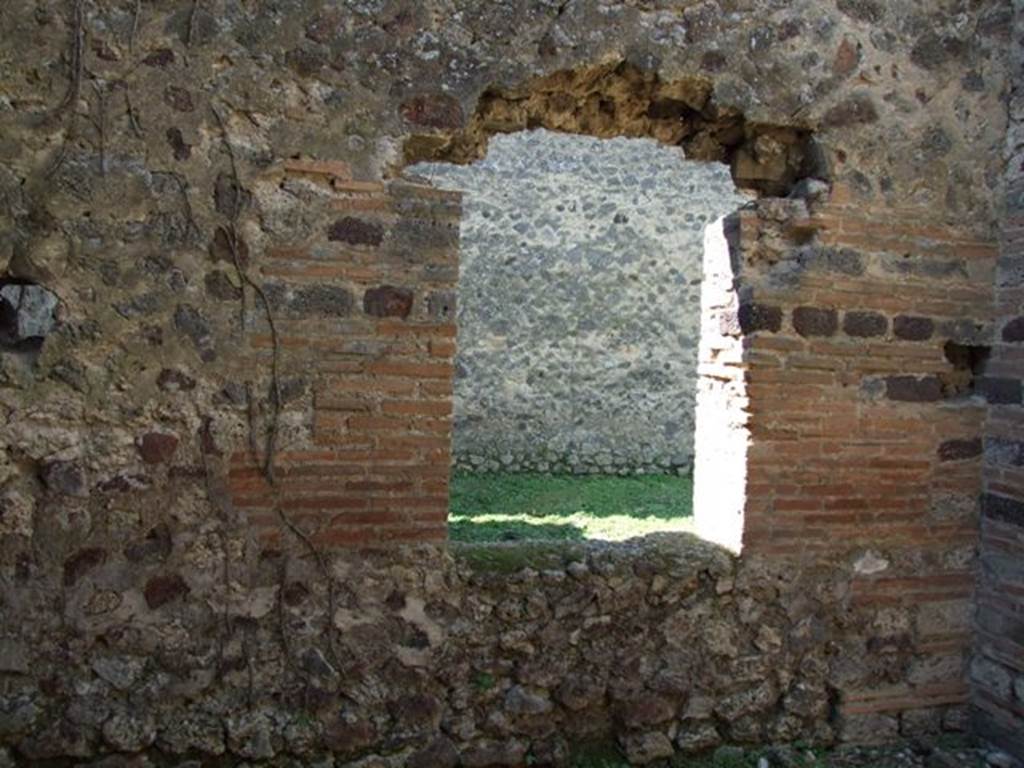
(118,194)
(487,654)
(579,302)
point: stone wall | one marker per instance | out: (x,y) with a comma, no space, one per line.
(579,302)
(197,644)
(248,364)
(998,669)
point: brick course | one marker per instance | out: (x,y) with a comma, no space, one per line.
(851,608)
(374,467)
(863,434)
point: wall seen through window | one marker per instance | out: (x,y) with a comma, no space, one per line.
(579,323)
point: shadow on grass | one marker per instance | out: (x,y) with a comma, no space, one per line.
(680,555)
(664,497)
(513,530)
(504,507)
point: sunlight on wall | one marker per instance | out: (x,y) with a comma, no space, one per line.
(720,469)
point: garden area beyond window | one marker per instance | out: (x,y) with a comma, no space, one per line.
(579,317)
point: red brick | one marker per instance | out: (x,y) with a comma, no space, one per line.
(442,348)
(418,407)
(412,370)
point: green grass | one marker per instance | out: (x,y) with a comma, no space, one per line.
(489,507)
(608,756)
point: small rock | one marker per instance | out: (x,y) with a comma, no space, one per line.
(315,663)
(162,589)
(16,514)
(439,753)
(520,701)
(249,735)
(26,313)
(348,733)
(122,672)
(129,733)
(647,710)
(200,732)
(999,759)
(302,736)
(697,737)
(65,477)
(941,759)
(157,447)
(416,714)
(578,570)
(644,748)
(155,547)
(493,754)
(80,563)
(14,655)
(17,714)
(174,380)
(579,692)
(551,751)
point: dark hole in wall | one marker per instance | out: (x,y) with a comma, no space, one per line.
(968,361)
(27,315)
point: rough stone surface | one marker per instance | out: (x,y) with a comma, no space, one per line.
(997,669)
(886,176)
(913,328)
(655,650)
(26,312)
(865,324)
(579,302)
(812,321)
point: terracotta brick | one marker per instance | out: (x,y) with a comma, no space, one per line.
(371,485)
(332,168)
(412,370)
(377,423)
(442,348)
(418,407)
(440,330)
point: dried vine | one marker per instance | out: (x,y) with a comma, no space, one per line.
(99,122)
(133,30)
(233,240)
(76,69)
(220,500)
(133,119)
(186,203)
(270,445)
(193,20)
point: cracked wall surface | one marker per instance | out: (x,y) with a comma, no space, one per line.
(248,372)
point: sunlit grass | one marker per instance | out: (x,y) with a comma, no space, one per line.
(510,507)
